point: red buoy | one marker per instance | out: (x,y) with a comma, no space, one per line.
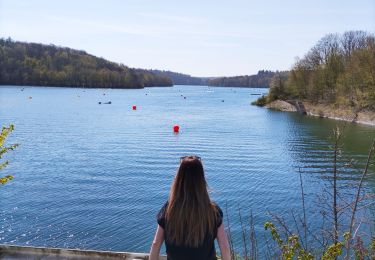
(134,107)
(176,128)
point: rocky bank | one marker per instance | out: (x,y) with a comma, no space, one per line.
(328,111)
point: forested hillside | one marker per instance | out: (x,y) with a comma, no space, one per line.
(181,79)
(260,80)
(339,70)
(37,64)
(48,65)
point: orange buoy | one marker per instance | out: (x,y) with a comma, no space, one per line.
(176,128)
(134,107)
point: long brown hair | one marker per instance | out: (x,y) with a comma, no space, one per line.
(190,214)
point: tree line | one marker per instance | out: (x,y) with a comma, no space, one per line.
(338,70)
(37,64)
(182,79)
(261,80)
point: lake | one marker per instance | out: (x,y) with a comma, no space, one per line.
(94,176)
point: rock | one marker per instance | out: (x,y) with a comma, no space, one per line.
(281,106)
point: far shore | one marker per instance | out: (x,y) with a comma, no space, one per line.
(80,86)
(364,117)
(161,86)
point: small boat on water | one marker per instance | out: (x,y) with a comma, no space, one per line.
(255,94)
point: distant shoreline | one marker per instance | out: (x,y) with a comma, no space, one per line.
(81,87)
(162,86)
(50,65)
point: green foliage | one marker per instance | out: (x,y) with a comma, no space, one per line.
(372,248)
(338,70)
(277,84)
(274,233)
(333,251)
(290,248)
(262,101)
(278,87)
(4,149)
(5,179)
(48,65)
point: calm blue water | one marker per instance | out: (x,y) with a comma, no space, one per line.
(94,176)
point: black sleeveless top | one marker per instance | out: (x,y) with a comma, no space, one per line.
(206,251)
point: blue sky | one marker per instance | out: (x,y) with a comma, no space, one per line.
(201,38)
